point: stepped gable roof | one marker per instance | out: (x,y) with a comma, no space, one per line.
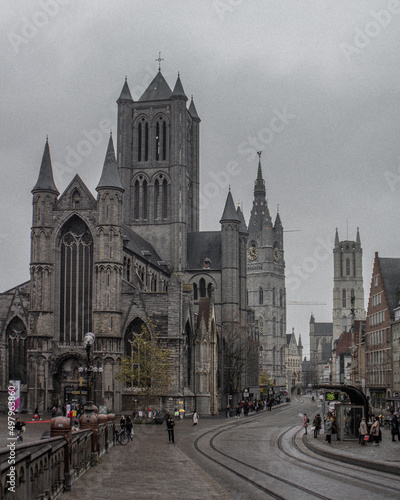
(344,343)
(110,175)
(323,328)
(230,213)
(143,249)
(45,180)
(158,90)
(193,111)
(125,93)
(201,246)
(390,272)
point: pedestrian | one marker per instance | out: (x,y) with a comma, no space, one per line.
(122,421)
(317,424)
(128,427)
(328,429)
(170,429)
(305,422)
(395,427)
(362,431)
(20,428)
(228,410)
(238,410)
(195,417)
(375,429)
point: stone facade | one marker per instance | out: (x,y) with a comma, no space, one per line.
(133,255)
(293,362)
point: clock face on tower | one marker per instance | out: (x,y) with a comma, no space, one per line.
(252,252)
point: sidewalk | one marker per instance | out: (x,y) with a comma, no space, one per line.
(148,468)
(385,457)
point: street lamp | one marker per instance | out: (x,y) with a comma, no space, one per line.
(88,343)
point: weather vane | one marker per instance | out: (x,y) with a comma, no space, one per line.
(159,61)
(259,154)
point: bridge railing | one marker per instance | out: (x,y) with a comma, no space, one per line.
(46,468)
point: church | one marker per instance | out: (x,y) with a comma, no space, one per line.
(133,255)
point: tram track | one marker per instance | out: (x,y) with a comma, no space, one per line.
(252,470)
(261,479)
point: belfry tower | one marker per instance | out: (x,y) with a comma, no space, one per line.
(266,282)
(348,290)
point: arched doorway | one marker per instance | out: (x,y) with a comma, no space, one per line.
(69,380)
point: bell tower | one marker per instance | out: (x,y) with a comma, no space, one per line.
(158,160)
(266,282)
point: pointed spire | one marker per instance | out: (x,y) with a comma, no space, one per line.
(193,111)
(278,222)
(300,344)
(259,185)
(125,93)
(358,240)
(110,176)
(178,89)
(337,238)
(242,227)
(45,180)
(158,90)
(229,210)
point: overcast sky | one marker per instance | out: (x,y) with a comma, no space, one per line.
(314,84)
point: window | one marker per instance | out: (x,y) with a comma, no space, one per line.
(143,140)
(343,298)
(202,284)
(195,293)
(260,296)
(347,267)
(76,280)
(273,297)
(17,361)
(161,140)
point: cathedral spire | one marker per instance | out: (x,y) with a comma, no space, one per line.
(110,176)
(358,240)
(45,180)
(336,238)
(193,111)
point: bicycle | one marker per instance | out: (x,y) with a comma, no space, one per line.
(121,437)
(19,437)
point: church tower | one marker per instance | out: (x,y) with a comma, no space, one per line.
(158,158)
(108,262)
(266,282)
(348,290)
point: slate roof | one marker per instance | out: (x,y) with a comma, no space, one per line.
(142,248)
(178,89)
(158,90)
(204,245)
(230,213)
(390,272)
(125,93)
(323,329)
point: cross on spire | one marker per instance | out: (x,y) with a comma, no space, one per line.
(159,61)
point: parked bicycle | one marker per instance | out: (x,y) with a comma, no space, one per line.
(121,436)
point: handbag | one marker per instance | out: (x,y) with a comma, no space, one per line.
(366,437)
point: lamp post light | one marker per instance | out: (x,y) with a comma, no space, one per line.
(88,343)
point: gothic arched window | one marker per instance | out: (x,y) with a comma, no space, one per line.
(76,280)
(143,140)
(16,339)
(165,199)
(273,297)
(260,296)
(202,284)
(157,199)
(195,294)
(343,298)
(161,140)
(347,267)
(274,326)
(136,201)
(144,188)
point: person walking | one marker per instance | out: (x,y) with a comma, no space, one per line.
(395,427)
(317,424)
(195,417)
(305,422)
(170,429)
(128,427)
(228,410)
(375,428)
(328,429)
(362,431)
(238,410)
(19,427)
